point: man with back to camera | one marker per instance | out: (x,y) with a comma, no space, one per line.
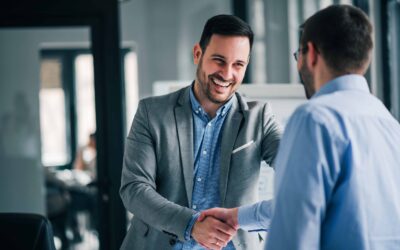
(198,148)
(337,170)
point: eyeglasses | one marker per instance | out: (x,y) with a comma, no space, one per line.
(297,53)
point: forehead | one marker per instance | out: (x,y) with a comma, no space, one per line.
(232,47)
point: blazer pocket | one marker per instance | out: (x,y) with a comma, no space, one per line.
(242,147)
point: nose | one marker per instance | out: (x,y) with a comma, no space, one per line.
(227,72)
(298,64)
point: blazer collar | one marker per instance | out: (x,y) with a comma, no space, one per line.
(231,128)
(184,124)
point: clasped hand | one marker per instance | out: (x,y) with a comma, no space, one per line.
(215,227)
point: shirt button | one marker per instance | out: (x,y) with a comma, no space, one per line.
(172,242)
(194,206)
(204,152)
(199,179)
(209,124)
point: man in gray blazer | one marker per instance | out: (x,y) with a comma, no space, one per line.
(198,148)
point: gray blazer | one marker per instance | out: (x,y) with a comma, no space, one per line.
(157,175)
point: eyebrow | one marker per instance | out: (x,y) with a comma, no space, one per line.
(222,57)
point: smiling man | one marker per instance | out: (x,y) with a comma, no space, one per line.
(221,69)
(198,148)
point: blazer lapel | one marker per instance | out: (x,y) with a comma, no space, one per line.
(229,134)
(184,125)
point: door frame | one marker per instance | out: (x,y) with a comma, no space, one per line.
(102,17)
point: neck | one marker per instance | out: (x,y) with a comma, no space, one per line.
(323,76)
(209,107)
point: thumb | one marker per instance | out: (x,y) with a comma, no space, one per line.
(201,217)
(205,213)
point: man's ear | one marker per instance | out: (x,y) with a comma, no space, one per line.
(312,55)
(197,53)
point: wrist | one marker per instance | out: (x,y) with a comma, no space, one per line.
(190,226)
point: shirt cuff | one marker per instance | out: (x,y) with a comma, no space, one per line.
(256,217)
(189,227)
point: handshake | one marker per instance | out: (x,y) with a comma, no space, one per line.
(215,227)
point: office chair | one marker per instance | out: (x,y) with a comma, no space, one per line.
(19,231)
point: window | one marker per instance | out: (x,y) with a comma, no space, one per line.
(131,86)
(84,92)
(67,101)
(276,36)
(53,114)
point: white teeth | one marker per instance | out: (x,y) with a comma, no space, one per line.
(221,83)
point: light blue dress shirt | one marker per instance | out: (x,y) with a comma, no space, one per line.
(207,153)
(337,183)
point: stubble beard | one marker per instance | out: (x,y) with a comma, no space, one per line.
(307,80)
(205,84)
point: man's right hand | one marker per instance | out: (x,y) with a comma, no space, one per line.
(227,215)
(212,233)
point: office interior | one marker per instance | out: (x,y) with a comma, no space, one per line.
(69,69)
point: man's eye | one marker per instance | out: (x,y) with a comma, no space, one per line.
(219,61)
(239,65)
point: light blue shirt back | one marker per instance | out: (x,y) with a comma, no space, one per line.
(337,183)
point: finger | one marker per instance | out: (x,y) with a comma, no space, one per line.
(210,212)
(212,242)
(216,246)
(222,237)
(222,243)
(201,217)
(211,246)
(203,245)
(226,228)
(206,245)
(218,229)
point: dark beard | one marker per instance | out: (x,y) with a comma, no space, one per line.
(205,81)
(307,81)
(304,86)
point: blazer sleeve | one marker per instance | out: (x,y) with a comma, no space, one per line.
(272,133)
(138,186)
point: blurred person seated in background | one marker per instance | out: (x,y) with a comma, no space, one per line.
(83,191)
(58,200)
(86,157)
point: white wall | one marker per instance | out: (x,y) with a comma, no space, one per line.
(164,33)
(21,173)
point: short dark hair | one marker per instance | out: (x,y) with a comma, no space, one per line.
(342,34)
(226,25)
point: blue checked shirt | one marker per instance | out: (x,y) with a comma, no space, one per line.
(207,153)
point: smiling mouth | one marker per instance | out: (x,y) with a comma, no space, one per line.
(221,83)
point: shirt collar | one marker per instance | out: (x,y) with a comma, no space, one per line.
(345,82)
(198,109)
